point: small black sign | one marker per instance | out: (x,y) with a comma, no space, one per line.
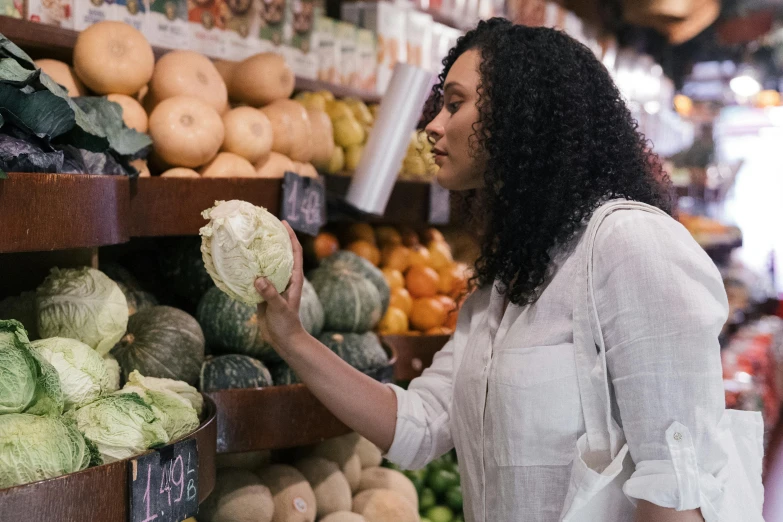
(164,484)
(304,203)
(440,204)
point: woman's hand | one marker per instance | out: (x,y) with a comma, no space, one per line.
(278,315)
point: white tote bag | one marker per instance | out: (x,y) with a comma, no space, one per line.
(602,463)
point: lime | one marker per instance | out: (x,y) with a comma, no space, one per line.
(424,519)
(454,498)
(440,514)
(427,499)
(418,478)
(442,480)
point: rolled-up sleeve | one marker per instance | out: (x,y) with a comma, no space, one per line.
(661,304)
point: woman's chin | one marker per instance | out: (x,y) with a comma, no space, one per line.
(446,179)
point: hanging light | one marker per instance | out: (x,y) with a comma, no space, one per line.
(745,84)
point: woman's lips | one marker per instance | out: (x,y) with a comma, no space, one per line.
(440,156)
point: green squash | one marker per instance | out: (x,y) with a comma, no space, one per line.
(362,351)
(283,375)
(162,341)
(351,301)
(233,371)
(183,269)
(345,259)
(137,299)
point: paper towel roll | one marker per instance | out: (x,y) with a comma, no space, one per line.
(382,157)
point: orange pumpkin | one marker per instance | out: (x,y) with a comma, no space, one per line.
(396,257)
(420,256)
(394,278)
(422,281)
(440,255)
(401,298)
(427,313)
(394,322)
(366,250)
(325,245)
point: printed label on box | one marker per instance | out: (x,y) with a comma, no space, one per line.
(346,40)
(12,8)
(272,22)
(206,18)
(368,60)
(131,12)
(328,50)
(51,12)
(167,24)
(90,12)
(241,38)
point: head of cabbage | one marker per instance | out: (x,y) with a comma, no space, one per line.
(82,304)
(115,372)
(83,375)
(120,425)
(28,383)
(241,243)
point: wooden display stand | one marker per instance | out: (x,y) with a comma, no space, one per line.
(414,353)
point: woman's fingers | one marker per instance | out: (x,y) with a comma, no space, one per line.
(294,291)
(269,293)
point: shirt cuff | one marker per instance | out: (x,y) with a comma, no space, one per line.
(407,439)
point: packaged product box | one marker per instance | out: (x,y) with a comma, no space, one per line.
(271,29)
(12,8)
(328,54)
(418,38)
(348,64)
(167,24)
(241,29)
(59,13)
(367,61)
(300,37)
(439,47)
(131,12)
(206,21)
(90,12)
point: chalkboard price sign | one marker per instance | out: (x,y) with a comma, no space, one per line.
(304,203)
(164,484)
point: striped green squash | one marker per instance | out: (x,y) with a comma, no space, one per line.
(351,301)
(283,375)
(233,371)
(182,267)
(362,351)
(345,259)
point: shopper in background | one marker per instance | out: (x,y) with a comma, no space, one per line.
(529,124)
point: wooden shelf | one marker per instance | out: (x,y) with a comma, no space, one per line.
(100,494)
(173,206)
(61,211)
(414,353)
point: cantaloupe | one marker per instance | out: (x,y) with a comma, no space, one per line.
(61,73)
(293,496)
(384,505)
(331,488)
(344,516)
(141,166)
(185,131)
(239,496)
(275,166)
(323,138)
(342,451)
(228,165)
(291,128)
(384,478)
(113,58)
(250,460)
(262,79)
(248,133)
(187,73)
(370,455)
(133,114)
(180,172)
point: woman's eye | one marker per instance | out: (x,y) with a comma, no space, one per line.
(453,107)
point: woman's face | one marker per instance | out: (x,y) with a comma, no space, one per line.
(460,167)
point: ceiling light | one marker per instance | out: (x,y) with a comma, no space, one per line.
(745,86)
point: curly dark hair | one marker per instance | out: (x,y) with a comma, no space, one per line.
(558,139)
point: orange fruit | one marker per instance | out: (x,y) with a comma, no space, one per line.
(439,330)
(451,309)
(394,277)
(440,255)
(387,235)
(421,281)
(420,256)
(427,312)
(366,250)
(401,298)
(325,245)
(433,234)
(453,280)
(394,322)
(409,236)
(396,257)
(360,231)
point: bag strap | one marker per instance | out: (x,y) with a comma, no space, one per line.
(603,433)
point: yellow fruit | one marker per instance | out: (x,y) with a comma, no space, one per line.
(337,162)
(401,298)
(338,109)
(394,278)
(133,114)
(64,75)
(395,321)
(312,102)
(261,79)
(347,132)
(414,166)
(353,155)
(185,131)
(440,255)
(387,235)
(323,138)
(420,256)
(248,133)
(326,95)
(361,112)
(228,165)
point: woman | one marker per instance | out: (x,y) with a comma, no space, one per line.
(531,122)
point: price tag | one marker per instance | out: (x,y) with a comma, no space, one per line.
(440,205)
(164,484)
(304,203)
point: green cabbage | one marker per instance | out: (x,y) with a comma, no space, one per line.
(175,412)
(49,397)
(83,375)
(241,243)
(120,425)
(82,304)
(183,389)
(113,367)
(37,448)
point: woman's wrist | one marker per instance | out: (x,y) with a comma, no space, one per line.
(294,341)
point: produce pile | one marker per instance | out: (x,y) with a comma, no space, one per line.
(61,405)
(438,486)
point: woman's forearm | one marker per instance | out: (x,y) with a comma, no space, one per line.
(360,402)
(648,512)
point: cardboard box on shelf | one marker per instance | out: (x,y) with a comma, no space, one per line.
(131,12)
(271,29)
(167,24)
(90,12)
(348,64)
(241,29)
(418,39)
(206,20)
(368,60)
(300,38)
(328,52)
(12,8)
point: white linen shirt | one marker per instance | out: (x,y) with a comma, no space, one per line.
(504,390)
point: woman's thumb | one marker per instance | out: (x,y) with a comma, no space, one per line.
(268,292)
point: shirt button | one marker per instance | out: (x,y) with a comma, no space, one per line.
(678,436)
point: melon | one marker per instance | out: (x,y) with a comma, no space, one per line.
(187,73)
(351,302)
(384,478)
(225,68)
(345,259)
(331,488)
(323,138)
(228,165)
(341,451)
(262,79)
(275,166)
(384,505)
(133,114)
(292,135)
(370,455)
(248,133)
(162,341)
(180,172)
(228,372)
(185,131)
(363,351)
(250,460)
(239,496)
(344,516)
(113,58)
(64,75)
(293,496)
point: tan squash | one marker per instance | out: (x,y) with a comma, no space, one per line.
(228,165)
(182,172)
(384,478)
(384,505)
(344,516)
(308,170)
(133,113)
(262,79)
(323,138)
(248,133)
(141,166)
(331,488)
(291,129)
(185,131)
(293,496)
(275,166)
(226,69)
(187,73)
(61,73)
(113,57)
